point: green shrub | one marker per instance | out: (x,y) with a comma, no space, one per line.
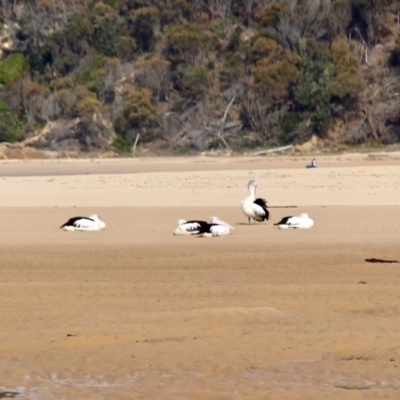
(12,68)
(94,71)
(232,69)
(197,79)
(122,144)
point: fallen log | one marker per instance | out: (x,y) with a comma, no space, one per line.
(276,149)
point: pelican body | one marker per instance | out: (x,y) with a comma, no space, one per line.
(302,221)
(184,227)
(92,223)
(252,207)
(215,227)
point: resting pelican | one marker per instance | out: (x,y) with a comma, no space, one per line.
(92,223)
(252,207)
(302,221)
(215,227)
(184,227)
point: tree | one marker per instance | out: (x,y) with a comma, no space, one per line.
(36,96)
(232,69)
(154,74)
(259,116)
(289,21)
(275,73)
(146,26)
(185,43)
(197,79)
(348,82)
(139,116)
(311,91)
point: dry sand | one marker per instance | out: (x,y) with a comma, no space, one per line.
(133,312)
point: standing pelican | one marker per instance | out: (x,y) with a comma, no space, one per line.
(252,207)
(216,227)
(92,223)
(303,221)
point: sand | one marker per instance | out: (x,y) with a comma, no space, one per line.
(133,312)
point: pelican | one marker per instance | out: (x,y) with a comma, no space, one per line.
(254,208)
(184,227)
(216,227)
(302,221)
(92,223)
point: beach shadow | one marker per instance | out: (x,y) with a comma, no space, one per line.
(247,224)
(8,395)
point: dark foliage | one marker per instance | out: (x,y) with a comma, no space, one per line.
(223,74)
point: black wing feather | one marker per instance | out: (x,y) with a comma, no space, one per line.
(263,204)
(284,220)
(71,221)
(202,224)
(205,228)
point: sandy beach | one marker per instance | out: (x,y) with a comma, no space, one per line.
(133,312)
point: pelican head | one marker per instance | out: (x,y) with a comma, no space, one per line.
(96,218)
(304,215)
(180,222)
(216,220)
(252,184)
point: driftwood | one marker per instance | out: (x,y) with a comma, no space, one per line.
(135,144)
(276,149)
(282,206)
(378,260)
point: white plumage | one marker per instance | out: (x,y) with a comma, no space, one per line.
(252,207)
(302,221)
(216,227)
(92,223)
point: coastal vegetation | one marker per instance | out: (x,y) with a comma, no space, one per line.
(196,75)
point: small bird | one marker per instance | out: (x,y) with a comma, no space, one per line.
(92,223)
(252,207)
(313,164)
(215,227)
(303,221)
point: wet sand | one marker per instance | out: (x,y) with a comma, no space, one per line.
(133,312)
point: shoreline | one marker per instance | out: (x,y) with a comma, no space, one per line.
(82,166)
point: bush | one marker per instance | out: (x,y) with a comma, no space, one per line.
(349,81)
(184,42)
(12,68)
(197,79)
(232,69)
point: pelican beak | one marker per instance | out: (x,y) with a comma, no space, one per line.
(226,224)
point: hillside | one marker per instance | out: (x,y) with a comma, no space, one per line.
(186,76)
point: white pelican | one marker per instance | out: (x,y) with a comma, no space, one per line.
(252,207)
(184,227)
(92,223)
(215,227)
(302,221)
